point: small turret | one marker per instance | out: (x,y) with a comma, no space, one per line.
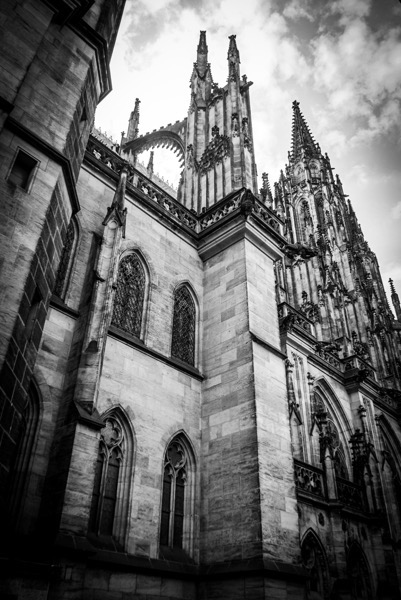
(395,300)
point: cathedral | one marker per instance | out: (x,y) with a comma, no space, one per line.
(199,387)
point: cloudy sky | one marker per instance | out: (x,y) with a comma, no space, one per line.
(341,59)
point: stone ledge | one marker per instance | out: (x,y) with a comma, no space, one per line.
(136,343)
(122,561)
(58,304)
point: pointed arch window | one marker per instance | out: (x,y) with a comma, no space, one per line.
(177,497)
(184,326)
(130,295)
(66,261)
(358,572)
(315,562)
(109,507)
(29,429)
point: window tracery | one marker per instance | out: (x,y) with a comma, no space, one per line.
(129,297)
(174,482)
(315,562)
(176,534)
(184,325)
(108,514)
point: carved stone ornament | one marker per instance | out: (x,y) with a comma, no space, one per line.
(214,153)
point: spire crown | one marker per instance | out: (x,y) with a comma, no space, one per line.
(303,142)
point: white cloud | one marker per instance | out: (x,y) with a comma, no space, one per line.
(298,9)
(396,214)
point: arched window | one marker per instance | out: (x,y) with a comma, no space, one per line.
(315,562)
(110,498)
(66,261)
(29,428)
(184,324)
(177,497)
(328,427)
(358,572)
(130,295)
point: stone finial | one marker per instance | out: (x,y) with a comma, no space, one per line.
(201,56)
(150,166)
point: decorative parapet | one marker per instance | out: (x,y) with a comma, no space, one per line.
(175,208)
(219,211)
(328,353)
(135,179)
(309,479)
(247,203)
(349,494)
(358,369)
(291,319)
(242,200)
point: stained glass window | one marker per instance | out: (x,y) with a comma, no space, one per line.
(129,297)
(64,268)
(104,498)
(173,500)
(183,341)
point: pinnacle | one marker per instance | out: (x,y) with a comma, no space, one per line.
(201,58)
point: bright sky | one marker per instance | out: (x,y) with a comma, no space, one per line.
(341,59)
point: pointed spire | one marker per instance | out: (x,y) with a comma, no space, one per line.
(201,59)
(150,166)
(233,59)
(133,122)
(395,300)
(302,138)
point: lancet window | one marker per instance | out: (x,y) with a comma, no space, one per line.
(109,505)
(358,573)
(176,509)
(130,294)
(315,562)
(29,429)
(66,261)
(184,326)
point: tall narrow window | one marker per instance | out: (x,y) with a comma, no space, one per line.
(177,495)
(29,428)
(108,514)
(66,261)
(315,562)
(130,294)
(184,317)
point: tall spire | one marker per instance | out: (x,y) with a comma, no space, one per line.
(201,58)
(233,59)
(133,122)
(302,138)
